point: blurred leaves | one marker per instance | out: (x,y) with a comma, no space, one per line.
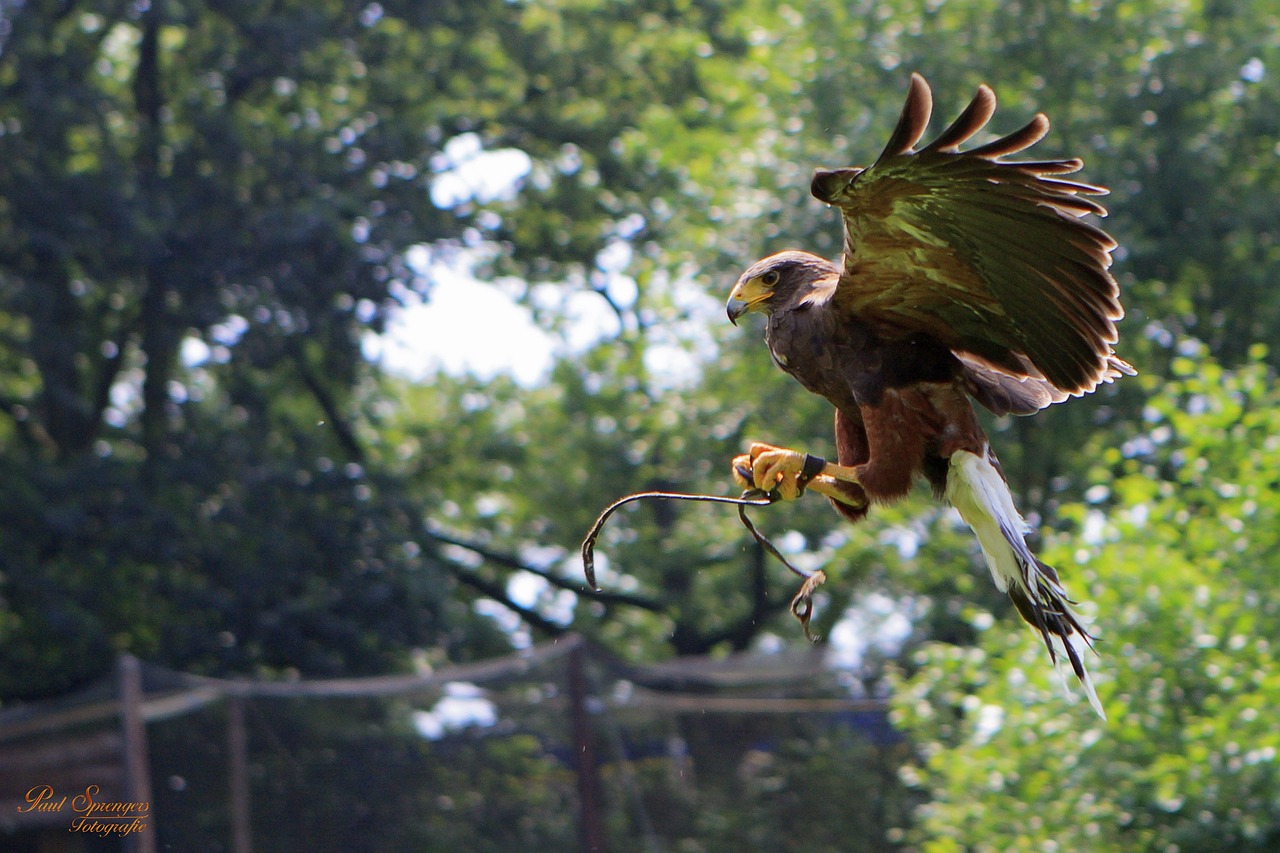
(1180,569)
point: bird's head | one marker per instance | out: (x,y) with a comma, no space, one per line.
(772,281)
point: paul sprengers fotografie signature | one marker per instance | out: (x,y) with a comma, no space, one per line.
(89,812)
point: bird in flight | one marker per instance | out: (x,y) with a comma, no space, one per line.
(965,276)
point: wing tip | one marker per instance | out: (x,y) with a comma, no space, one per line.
(1110,367)
(972,119)
(1020,140)
(913,119)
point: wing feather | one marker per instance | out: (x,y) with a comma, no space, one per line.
(1020,140)
(973,119)
(912,122)
(1004,394)
(1049,167)
(992,256)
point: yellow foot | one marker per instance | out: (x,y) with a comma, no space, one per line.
(788,473)
(768,468)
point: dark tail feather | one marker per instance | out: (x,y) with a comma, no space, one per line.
(1049,612)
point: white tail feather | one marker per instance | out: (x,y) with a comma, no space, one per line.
(977,489)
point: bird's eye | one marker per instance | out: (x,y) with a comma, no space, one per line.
(770,278)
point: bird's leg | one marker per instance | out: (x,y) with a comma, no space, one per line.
(768,468)
(838,490)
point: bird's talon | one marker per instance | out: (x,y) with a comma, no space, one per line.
(777,468)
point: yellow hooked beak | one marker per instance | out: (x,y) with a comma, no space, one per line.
(747,295)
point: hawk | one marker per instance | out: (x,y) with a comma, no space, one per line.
(965,276)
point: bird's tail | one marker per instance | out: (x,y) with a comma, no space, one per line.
(978,491)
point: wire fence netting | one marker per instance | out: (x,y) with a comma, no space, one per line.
(562,746)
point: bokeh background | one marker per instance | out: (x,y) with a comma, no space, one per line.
(327,329)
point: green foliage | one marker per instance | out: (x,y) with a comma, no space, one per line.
(222,569)
(1180,564)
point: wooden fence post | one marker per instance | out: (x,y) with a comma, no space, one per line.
(137,766)
(238,772)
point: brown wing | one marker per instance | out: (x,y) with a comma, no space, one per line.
(988,255)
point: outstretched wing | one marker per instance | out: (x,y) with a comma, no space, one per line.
(988,255)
